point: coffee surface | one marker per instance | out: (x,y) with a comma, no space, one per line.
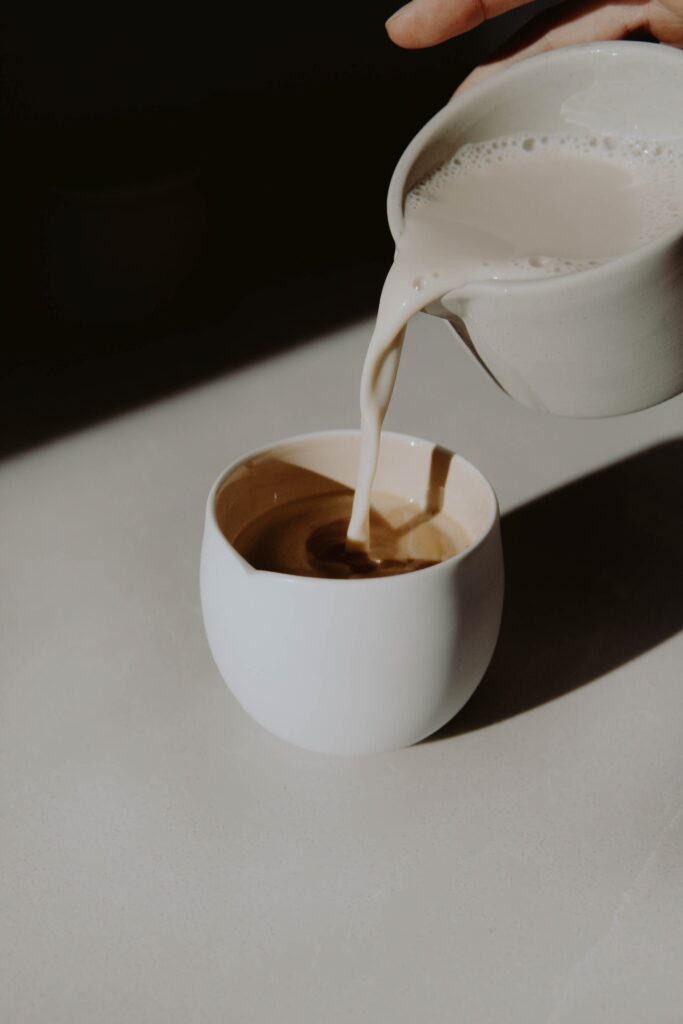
(307,537)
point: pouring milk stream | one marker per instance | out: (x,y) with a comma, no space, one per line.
(517,207)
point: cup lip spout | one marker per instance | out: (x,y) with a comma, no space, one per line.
(492,85)
(400,579)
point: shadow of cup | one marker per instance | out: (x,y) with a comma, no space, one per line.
(594,579)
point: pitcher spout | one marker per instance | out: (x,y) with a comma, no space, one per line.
(453,308)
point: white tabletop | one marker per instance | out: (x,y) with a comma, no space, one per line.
(166,860)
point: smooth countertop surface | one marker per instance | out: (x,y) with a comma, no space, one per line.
(166,860)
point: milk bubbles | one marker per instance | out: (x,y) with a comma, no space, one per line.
(571,201)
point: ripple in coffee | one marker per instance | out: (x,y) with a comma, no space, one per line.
(307,537)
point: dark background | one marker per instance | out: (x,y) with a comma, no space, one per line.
(172,184)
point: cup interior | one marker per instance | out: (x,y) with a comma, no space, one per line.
(420,472)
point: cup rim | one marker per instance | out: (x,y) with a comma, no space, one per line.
(397,579)
(395,204)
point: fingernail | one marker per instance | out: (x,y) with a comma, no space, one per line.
(398,14)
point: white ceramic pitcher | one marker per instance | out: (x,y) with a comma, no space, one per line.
(602,341)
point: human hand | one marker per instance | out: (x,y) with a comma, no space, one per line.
(424,23)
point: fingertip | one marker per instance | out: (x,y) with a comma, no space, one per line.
(398,27)
(424,23)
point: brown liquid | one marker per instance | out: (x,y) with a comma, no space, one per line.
(307,537)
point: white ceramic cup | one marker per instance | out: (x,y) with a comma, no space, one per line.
(606,340)
(353,666)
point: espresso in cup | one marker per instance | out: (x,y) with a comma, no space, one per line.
(306,536)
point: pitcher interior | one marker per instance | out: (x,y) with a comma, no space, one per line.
(614,87)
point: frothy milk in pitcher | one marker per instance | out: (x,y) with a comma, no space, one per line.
(515,208)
